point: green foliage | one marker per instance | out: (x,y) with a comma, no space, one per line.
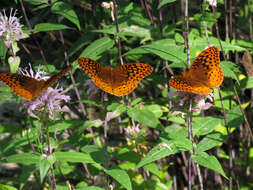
(97,48)
(140,141)
(44,27)
(164,2)
(210,162)
(66,10)
(120,176)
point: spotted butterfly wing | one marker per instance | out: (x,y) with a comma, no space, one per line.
(205,73)
(182,83)
(119,81)
(28,87)
(49,82)
(100,76)
(126,78)
(206,67)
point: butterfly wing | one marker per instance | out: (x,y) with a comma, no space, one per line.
(49,82)
(28,87)
(182,83)
(206,68)
(21,85)
(125,78)
(100,76)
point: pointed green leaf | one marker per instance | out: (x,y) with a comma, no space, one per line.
(7,187)
(24,158)
(166,148)
(44,27)
(235,118)
(120,176)
(66,10)
(98,47)
(164,2)
(205,125)
(210,162)
(3,50)
(210,141)
(246,83)
(73,157)
(44,164)
(229,69)
(144,116)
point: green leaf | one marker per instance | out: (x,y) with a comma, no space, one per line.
(211,140)
(73,157)
(6,94)
(126,154)
(136,31)
(98,154)
(120,176)
(22,141)
(135,101)
(152,168)
(245,43)
(175,131)
(97,47)
(34,2)
(156,109)
(166,49)
(3,51)
(64,9)
(64,124)
(210,162)
(179,38)
(144,116)
(177,119)
(164,2)
(246,83)
(44,164)
(7,187)
(235,118)
(44,27)
(205,125)
(117,109)
(24,158)
(229,69)
(166,148)
(198,44)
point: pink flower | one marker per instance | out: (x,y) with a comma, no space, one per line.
(49,104)
(39,75)
(135,133)
(180,104)
(10,29)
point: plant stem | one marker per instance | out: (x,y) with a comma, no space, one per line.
(117,38)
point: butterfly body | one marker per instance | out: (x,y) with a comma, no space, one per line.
(205,73)
(28,87)
(119,81)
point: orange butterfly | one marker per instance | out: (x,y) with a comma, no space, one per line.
(119,81)
(28,87)
(205,73)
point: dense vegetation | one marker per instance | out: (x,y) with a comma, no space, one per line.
(76,136)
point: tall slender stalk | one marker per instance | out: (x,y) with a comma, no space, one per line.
(190,135)
(33,36)
(117,38)
(250,20)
